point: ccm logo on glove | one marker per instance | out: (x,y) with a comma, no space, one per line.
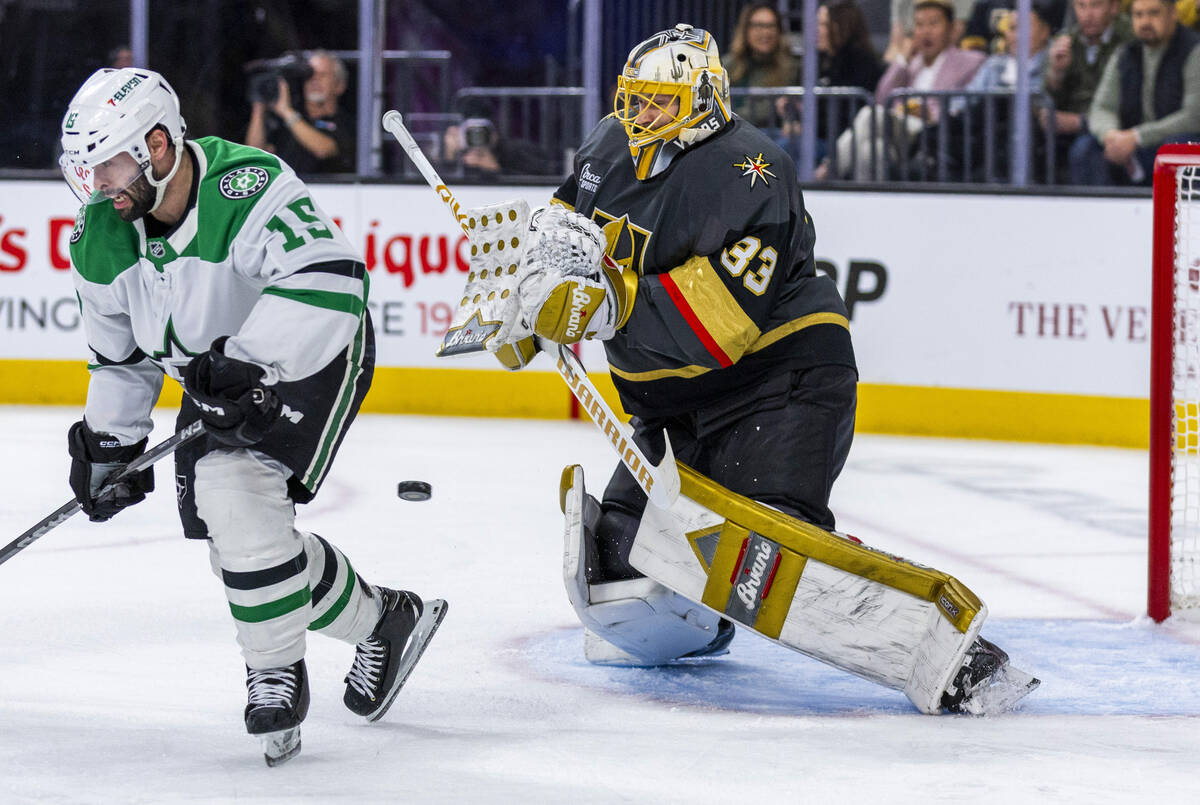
(233,402)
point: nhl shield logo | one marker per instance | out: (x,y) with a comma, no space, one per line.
(157,250)
(243,182)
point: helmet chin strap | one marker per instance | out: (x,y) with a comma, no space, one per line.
(160,185)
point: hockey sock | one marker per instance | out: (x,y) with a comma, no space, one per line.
(343,605)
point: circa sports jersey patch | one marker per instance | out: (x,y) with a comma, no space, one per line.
(243,182)
(589,180)
(755,168)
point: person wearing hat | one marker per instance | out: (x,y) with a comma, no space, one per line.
(999,71)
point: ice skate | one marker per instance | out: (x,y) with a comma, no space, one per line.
(384,660)
(277,702)
(987,683)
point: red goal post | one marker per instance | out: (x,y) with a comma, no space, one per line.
(1174,574)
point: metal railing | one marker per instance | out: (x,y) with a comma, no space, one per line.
(550,117)
(946,144)
(403,79)
(836,108)
(969,144)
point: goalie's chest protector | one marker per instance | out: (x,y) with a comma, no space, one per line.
(730,195)
(655,225)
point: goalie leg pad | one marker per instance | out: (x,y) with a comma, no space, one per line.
(874,615)
(631,621)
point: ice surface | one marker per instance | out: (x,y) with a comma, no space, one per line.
(120,680)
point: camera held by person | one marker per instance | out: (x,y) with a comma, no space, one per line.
(264,75)
(477,147)
(313,136)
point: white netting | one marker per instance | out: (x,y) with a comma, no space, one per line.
(1185,475)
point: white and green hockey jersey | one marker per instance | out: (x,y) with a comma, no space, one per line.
(253,258)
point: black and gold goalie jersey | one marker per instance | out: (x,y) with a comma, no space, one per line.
(728,291)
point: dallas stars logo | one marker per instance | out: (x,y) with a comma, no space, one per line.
(243,182)
(173,355)
(755,168)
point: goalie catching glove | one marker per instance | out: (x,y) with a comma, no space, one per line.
(235,405)
(569,288)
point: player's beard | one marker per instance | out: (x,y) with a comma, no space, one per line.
(141,197)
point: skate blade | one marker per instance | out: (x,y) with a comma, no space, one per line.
(280,746)
(431,618)
(1006,687)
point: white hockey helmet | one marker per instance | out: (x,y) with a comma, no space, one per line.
(106,125)
(672,93)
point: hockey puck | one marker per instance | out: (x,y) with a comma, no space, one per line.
(414,490)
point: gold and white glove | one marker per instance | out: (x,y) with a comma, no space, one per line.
(569,288)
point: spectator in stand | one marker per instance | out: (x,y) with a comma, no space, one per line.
(1076,62)
(120,57)
(998,73)
(847,59)
(760,58)
(478,150)
(1149,94)
(934,65)
(986,25)
(903,15)
(316,138)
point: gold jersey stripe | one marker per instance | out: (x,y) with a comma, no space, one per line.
(765,340)
(796,325)
(719,313)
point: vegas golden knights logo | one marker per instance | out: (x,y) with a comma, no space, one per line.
(626,241)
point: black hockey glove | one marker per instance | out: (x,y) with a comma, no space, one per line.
(237,408)
(95,457)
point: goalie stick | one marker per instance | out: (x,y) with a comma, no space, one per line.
(659,481)
(67,510)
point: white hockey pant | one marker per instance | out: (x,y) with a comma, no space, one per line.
(629,622)
(280,582)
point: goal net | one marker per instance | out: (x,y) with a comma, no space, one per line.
(1174,581)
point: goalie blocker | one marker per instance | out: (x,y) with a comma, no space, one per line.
(717,555)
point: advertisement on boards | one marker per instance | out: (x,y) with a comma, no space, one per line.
(958,291)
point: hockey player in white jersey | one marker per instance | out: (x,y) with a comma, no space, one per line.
(210,262)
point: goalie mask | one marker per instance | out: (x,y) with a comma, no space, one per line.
(104,135)
(672,93)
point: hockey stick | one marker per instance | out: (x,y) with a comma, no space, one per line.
(660,482)
(65,511)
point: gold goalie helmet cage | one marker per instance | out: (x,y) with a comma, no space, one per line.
(672,89)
